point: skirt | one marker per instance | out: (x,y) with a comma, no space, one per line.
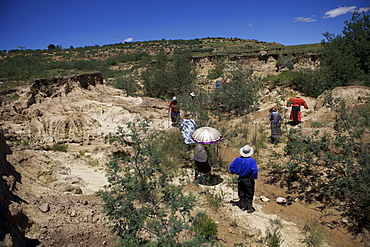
(203,167)
(175,116)
(275,129)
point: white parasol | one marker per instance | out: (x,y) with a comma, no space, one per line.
(206,135)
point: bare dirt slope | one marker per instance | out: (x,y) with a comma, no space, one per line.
(52,200)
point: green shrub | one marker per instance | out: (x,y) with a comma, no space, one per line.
(204,226)
(173,140)
(346,56)
(128,84)
(285,62)
(307,81)
(165,78)
(238,97)
(59,147)
(280,78)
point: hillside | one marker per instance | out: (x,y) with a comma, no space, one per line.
(18,67)
(48,198)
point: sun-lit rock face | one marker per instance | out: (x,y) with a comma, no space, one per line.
(77,109)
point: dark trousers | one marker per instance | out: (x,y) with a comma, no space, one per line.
(245,188)
(296,111)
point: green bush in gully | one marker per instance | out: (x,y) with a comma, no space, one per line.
(141,202)
(239,96)
(165,78)
(128,84)
(332,169)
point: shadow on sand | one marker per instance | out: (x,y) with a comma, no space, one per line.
(204,180)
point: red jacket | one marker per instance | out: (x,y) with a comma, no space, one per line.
(297,102)
(173,106)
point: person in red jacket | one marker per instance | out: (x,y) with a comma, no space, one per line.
(296,104)
(175,111)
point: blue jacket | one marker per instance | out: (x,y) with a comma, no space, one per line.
(244,167)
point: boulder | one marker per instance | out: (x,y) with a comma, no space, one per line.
(281,200)
(44,207)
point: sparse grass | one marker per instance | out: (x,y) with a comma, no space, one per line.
(5,98)
(215,199)
(316,125)
(25,143)
(314,233)
(277,222)
(308,112)
(233,222)
(273,237)
(90,161)
(259,139)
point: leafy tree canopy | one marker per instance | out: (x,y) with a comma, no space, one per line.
(346,56)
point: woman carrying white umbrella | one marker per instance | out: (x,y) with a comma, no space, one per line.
(201,162)
(204,135)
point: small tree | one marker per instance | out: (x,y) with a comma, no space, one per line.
(285,62)
(127,83)
(51,47)
(143,205)
(156,80)
(166,78)
(182,74)
(238,96)
(346,57)
(217,71)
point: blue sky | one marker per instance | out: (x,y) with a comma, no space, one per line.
(34,24)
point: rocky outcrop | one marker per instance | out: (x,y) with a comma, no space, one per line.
(13,221)
(59,86)
(75,109)
(263,63)
(353,95)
